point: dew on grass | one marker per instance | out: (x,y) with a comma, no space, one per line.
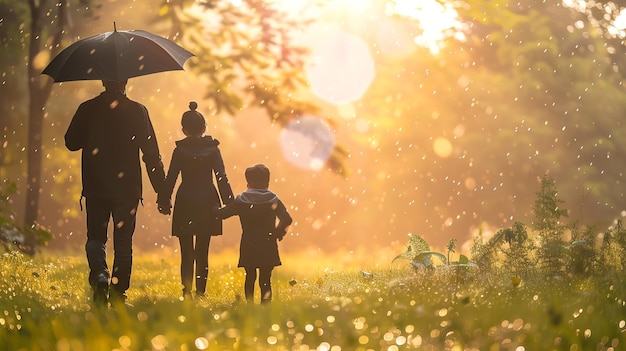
(142,316)
(298,337)
(232,333)
(517,324)
(359,323)
(159,342)
(416,341)
(124,341)
(325,346)
(272,340)
(442,312)
(201,343)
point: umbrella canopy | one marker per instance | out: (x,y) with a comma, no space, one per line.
(117,55)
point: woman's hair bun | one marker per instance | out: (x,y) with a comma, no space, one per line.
(193,105)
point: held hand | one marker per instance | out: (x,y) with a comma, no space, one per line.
(281,234)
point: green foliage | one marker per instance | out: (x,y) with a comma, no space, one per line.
(581,252)
(508,251)
(387,309)
(450,247)
(249,58)
(549,226)
(613,248)
(547,252)
(12,236)
(514,253)
(248,45)
(523,88)
(419,253)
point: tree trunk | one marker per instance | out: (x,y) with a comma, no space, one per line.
(38,95)
(35,131)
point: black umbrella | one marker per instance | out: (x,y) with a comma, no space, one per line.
(117,55)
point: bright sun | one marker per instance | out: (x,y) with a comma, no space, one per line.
(435,19)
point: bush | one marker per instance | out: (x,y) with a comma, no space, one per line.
(12,236)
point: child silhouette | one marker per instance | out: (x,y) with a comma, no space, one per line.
(258,208)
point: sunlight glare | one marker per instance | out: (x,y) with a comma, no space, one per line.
(341,68)
(347,111)
(292,6)
(442,147)
(618,28)
(435,20)
(394,40)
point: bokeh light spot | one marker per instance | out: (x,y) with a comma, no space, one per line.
(470,183)
(307,142)
(201,343)
(341,67)
(394,40)
(442,147)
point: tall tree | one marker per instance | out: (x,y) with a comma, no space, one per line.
(262,66)
(250,57)
(46,23)
(531,89)
(38,96)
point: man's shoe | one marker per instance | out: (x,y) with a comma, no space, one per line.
(101,290)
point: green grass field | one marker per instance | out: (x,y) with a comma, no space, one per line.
(45,305)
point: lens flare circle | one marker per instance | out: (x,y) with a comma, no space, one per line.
(307,142)
(341,67)
(442,147)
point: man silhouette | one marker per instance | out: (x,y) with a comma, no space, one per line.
(111,130)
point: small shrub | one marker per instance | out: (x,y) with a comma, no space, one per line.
(419,253)
(12,236)
(550,229)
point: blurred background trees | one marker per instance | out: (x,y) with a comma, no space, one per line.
(452,134)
